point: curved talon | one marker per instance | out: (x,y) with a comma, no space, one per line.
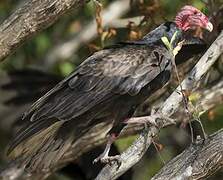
(111,159)
(96,160)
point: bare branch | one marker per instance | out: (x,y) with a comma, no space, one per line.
(121,23)
(28,19)
(170,106)
(199,161)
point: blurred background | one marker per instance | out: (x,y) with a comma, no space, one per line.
(55,52)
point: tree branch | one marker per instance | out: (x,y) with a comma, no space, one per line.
(202,159)
(170,106)
(28,19)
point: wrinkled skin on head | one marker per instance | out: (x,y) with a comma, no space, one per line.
(189,18)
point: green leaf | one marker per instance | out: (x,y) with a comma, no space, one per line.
(166,42)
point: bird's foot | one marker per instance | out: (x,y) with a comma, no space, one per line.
(141,120)
(105,159)
(153,120)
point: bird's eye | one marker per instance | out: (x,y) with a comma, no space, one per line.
(197,13)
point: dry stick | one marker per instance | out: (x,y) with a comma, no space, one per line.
(30,18)
(135,152)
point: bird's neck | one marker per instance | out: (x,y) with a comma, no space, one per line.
(167,30)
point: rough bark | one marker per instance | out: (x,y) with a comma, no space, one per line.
(199,161)
(30,18)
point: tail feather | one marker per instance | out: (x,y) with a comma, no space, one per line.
(31,129)
(42,149)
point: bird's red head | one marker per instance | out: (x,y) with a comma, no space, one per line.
(190,18)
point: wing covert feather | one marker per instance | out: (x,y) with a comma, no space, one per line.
(106,73)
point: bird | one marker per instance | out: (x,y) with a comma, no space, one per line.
(107,86)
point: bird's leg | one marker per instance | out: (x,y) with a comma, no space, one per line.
(104,157)
(141,120)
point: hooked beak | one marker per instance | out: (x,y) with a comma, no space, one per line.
(209,26)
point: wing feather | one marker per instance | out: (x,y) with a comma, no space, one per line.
(107,72)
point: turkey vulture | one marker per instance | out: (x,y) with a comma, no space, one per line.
(107,86)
